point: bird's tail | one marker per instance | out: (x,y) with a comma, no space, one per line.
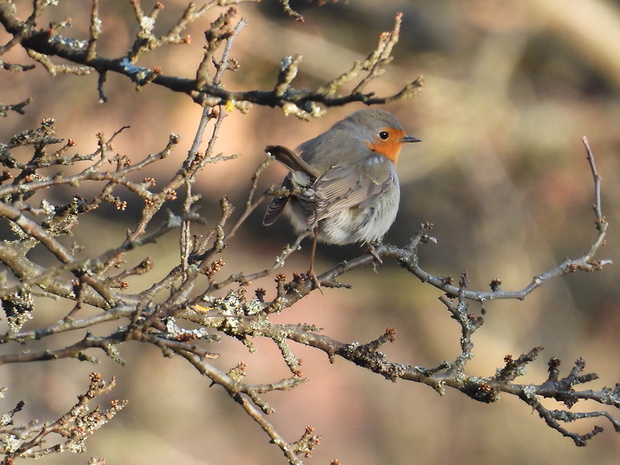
(291,160)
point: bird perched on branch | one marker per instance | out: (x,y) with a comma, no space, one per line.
(342,186)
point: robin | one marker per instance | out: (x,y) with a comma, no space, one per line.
(342,185)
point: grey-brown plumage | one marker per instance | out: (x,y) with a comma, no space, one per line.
(343,183)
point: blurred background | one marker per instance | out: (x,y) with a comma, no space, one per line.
(510,89)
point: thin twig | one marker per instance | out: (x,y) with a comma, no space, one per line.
(597,181)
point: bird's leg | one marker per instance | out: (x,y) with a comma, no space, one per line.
(311,273)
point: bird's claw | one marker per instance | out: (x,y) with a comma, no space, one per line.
(311,275)
(373,252)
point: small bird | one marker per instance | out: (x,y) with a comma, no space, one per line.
(342,185)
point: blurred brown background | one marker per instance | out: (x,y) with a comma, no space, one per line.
(510,89)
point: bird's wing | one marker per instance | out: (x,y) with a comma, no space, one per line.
(341,188)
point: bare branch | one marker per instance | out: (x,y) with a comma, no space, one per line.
(41,45)
(74,427)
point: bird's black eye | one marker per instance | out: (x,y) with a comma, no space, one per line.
(384,135)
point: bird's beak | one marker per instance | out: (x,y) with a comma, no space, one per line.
(409,139)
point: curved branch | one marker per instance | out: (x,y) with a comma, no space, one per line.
(408,258)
